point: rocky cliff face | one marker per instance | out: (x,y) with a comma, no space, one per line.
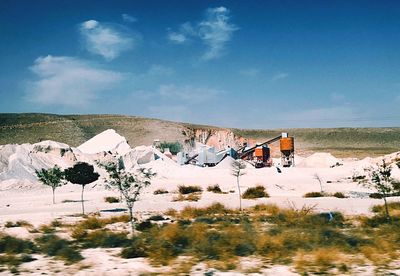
(218,138)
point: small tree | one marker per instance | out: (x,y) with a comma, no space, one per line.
(237,170)
(380,178)
(130,185)
(81,173)
(52,177)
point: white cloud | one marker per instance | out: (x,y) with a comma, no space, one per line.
(177,38)
(128,18)
(215,30)
(279,76)
(106,40)
(68,81)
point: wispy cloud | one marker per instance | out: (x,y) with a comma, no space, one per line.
(128,18)
(106,40)
(160,70)
(68,81)
(279,76)
(214,31)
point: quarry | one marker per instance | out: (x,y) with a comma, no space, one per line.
(204,162)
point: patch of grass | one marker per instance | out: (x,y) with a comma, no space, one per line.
(54,246)
(214,188)
(255,192)
(184,190)
(111,199)
(160,192)
(19,223)
(394,207)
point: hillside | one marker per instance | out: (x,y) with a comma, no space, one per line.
(76,129)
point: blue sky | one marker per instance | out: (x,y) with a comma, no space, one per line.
(247,64)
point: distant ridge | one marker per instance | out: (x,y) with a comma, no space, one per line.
(75,129)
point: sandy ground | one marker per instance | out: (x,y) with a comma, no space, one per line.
(286,189)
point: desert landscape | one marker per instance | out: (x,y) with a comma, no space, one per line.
(170,137)
(318,184)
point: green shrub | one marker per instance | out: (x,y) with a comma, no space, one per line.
(135,249)
(52,245)
(104,238)
(111,199)
(160,192)
(375,195)
(189,189)
(156,218)
(174,147)
(214,188)
(12,245)
(255,192)
(314,194)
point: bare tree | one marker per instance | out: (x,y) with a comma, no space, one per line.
(129,185)
(52,177)
(380,179)
(319,179)
(237,170)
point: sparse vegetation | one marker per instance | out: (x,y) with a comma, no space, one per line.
(255,192)
(312,242)
(184,190)
(214,188)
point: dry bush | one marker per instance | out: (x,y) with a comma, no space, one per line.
(255,192)
(160,192)
(189,197)
(19,223)
(214,189)
(111,199)
(314,194)
(184,190)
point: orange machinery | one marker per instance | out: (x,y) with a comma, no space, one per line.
(287,150)
(261,153)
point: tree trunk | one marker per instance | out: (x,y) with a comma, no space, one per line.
(54,199)
(386,209)
(83,205)
(240,194)
(130,208)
